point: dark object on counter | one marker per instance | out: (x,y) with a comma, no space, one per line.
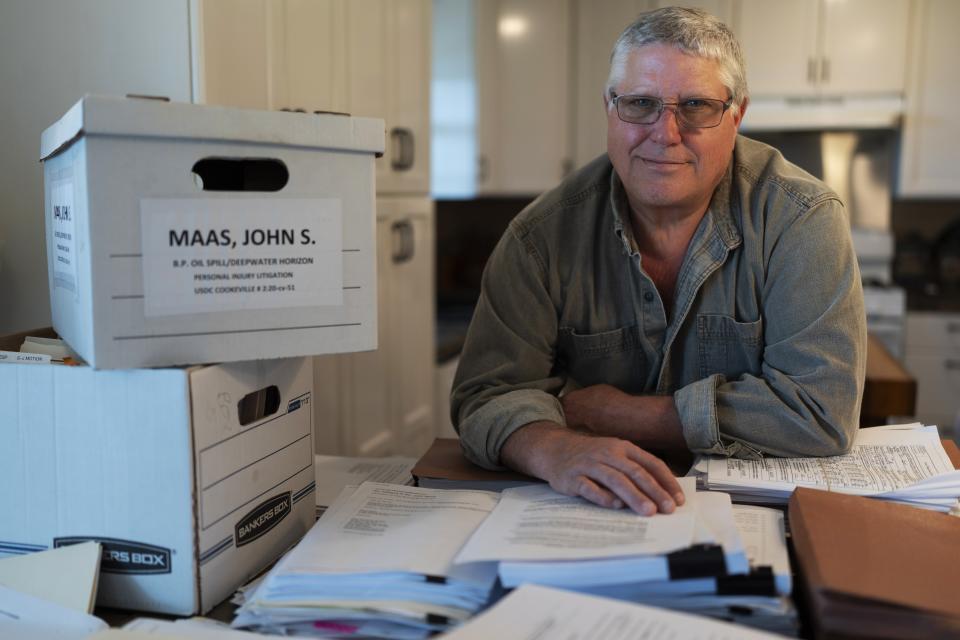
(947,259)
(913,266)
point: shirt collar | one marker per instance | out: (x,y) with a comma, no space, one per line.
(723,213)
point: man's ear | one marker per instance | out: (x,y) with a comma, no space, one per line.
(741,112)
(605,96)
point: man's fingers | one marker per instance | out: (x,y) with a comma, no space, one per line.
(625,488)
(590,490)
(660,473)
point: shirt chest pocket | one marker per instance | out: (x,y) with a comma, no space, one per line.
(611,357)
(728,347)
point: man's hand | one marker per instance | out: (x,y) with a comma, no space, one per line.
(607,471)
(648,421)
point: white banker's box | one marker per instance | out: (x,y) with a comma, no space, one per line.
(192,479)
(181,233)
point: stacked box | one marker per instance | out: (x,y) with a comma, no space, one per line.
(179,235)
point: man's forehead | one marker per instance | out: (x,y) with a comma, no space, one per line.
(659,67)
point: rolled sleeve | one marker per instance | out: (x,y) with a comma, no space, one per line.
(484,431)
(806,399)
(506,378)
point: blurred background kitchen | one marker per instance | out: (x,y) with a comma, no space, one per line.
(487,104)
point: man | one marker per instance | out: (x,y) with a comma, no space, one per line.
(688,291)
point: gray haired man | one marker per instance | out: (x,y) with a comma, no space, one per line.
(690,290)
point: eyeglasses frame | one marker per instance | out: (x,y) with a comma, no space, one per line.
(615,99)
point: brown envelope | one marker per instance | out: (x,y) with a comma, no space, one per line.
(855,552)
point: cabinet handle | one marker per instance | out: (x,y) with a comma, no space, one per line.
(953,327)
(403,241)
(812,70)
(483,169)
(824,70)
(951,365)
(401,140)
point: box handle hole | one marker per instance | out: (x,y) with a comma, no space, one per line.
(240,174)
(258,405)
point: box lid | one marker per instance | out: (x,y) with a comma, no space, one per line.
(153,118)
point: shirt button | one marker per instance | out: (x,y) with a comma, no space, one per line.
(648,296)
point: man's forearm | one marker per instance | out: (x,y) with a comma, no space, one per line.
(525,450)
(652,422)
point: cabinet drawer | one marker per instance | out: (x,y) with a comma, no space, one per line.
(938,384)
(937,330)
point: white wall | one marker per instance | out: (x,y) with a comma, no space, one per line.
(51,53)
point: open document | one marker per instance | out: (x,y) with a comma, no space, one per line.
(904,463)
(541,613)
(380,563)
(537,523)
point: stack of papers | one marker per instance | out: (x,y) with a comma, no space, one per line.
(759,598)
(901,463)
(378,563)
(548,614)
(706,557)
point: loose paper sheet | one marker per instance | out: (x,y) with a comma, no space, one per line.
(66,576)
(352,537)
(537,523)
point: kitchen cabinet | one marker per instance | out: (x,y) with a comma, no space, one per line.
(933,358)
(382,402)
(367,58)
(931,124)
(363,57)
(523,57)
(811,48)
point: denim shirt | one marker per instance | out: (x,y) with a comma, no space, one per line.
(763,353)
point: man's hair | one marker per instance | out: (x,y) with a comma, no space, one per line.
(692,31)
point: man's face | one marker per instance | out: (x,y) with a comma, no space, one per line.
(665,166)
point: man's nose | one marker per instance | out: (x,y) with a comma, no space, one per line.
(666,130)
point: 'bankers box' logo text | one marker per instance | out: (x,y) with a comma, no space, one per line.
(264,517)
(125,556)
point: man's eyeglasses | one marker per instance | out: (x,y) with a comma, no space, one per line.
(694,113)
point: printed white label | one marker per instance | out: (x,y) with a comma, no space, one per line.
(24,358)
(213,254)
(64,243)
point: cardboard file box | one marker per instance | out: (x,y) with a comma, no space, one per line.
(192,479)
(182,234)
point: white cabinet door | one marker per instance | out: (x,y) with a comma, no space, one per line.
(817,47)
(524,88)
(864,46)
(933,358)
(388,66)
(380,402)
(931,127)
(233,53)
(407,280)
(368,422)
(309,48)
(779,41)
